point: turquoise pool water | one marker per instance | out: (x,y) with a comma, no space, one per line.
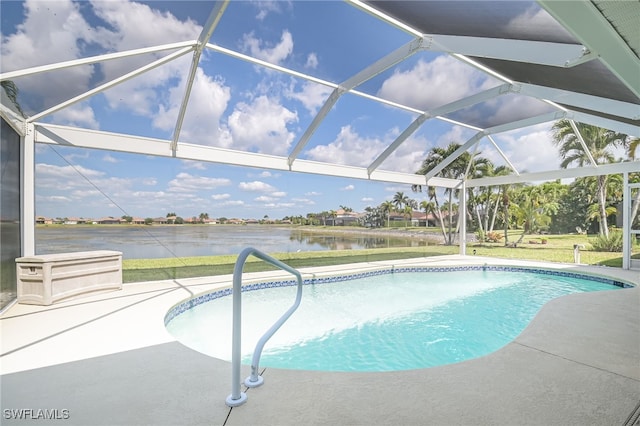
(388,322)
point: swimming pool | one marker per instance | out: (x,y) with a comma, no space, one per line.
(380,320)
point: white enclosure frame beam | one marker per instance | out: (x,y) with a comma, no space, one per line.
(462,219)
(605,123)
(110,84)
(444,109)
(534,52)
(602,169)
(457,153)
(213,20)
(502,154)
(526,122)
(367,73)
(580,18)
(583,143)
(581,100)
(93,139)
(626,222)
(28,192)
(94,59)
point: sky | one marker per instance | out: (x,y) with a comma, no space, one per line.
(238,105)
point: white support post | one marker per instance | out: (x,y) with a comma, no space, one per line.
(27,191)
(462,217)
(626,223)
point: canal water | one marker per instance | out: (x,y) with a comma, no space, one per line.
(149,242)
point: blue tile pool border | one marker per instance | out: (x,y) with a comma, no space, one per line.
(206,297)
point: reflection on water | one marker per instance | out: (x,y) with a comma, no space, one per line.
(146,242)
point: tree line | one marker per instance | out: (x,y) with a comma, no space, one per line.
(588,204)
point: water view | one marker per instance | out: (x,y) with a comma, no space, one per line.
(146,242)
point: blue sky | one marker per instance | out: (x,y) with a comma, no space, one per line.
(237,105)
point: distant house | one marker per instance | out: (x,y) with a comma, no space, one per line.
(108,221)
(41,220)
(235,221)
(343,218)
(160,221)
(251,221)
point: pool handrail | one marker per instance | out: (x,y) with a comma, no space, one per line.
(237,397)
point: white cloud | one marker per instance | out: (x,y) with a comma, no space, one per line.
(150,181)
(273,53)
(126,18)
(441,81)
(221,196)
(262,126)
(57,31)
(312,193)
(207,104)
(348,188)
(195,165)
(264,199)
(312,95)
(312,61)
(49,34)
(108,158)
(232,203)
(256,186)
(366,199)
(56,199)
(64,177)
(531,150)
(304,201)
(78,115)
(348,148)
(184,182)
(537,21)
(265,7)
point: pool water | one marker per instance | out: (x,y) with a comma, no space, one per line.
(388,322)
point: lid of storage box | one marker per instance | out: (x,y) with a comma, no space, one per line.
(57,257)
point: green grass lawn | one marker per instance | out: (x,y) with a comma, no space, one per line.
(558,248)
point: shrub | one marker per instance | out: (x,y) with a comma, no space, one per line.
(613,243)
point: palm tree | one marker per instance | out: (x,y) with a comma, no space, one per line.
(333,214)
(387,208)
(409,206)
(428,207)
(457,169)
(533,209)
(400,200)
(600,143)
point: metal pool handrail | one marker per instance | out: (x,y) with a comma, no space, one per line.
(237,397)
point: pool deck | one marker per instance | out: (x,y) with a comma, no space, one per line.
(108,360)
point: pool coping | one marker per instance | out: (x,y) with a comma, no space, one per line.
(80,333)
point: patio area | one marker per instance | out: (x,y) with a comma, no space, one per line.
(107,359)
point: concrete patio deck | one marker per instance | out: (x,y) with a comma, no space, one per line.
(108,360)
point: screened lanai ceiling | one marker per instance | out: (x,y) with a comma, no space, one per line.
(365,91)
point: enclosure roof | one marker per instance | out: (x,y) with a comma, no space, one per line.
(529,62)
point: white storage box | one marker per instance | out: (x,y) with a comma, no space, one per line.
(49,278)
